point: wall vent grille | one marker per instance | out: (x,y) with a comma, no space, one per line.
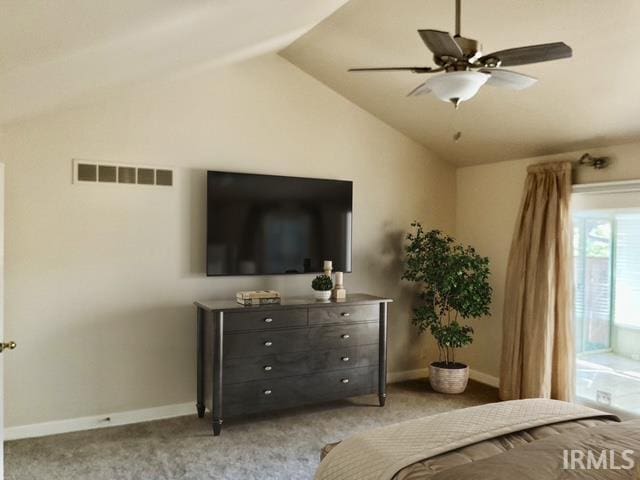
(99,172)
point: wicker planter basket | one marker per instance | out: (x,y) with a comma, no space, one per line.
(448,380)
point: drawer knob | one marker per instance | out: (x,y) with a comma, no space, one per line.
(268,320)
(267,368)
(345,336)
(345,314)
(345,380)
(267,392)
(345,359)
(268,343)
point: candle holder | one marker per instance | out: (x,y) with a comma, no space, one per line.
(327,266)
(339,292)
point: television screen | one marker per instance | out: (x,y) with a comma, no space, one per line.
(266,224)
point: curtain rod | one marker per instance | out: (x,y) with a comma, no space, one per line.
(588,160)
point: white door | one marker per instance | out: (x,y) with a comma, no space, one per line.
(8,345)
(1,317)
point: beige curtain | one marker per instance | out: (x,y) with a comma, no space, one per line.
(538,358)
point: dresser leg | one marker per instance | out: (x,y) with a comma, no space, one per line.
(217,426)
(216,393)
(200,321)
(382,350)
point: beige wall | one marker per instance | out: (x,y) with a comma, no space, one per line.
(488,200)
(100,278)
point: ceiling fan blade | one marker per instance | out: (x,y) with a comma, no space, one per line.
(441,43)
(508,79)
(421,89)
(392,69)
(531,54)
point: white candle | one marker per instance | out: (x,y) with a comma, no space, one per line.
(328,265)
(339,278)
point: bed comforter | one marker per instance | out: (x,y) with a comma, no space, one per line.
(506,440)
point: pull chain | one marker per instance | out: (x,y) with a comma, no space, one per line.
(456,134)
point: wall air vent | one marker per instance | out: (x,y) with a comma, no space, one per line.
(107,173)
(146,176)
(99,172)
(126,175)
(86,172)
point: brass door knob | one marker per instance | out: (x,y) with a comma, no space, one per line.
(7,346)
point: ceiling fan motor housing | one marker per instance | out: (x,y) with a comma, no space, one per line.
(470,47)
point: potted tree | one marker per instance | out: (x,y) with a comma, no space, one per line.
(454,286)
(322,286)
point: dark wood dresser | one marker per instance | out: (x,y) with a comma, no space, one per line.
(262,358)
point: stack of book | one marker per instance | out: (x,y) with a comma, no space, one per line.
(258,297)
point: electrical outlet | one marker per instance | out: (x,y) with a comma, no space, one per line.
(603,397)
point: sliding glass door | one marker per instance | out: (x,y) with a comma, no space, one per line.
(606,249)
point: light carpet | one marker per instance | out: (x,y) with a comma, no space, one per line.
(285,445)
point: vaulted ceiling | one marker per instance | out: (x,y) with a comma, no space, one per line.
(53,52)
(591,99)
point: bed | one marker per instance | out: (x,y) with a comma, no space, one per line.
(525,439)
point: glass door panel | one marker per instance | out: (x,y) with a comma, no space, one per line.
(593,249)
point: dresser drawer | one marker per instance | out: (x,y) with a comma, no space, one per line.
(265,343)
(346,314)
(265,320)
(341,336)
(267,367)
(343,383)
(265,395)
(348,357)
(244,369)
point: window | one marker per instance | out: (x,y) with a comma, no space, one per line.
(593,282)
(606,250)
(626,309)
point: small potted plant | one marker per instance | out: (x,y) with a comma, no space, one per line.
(322,286)
(454,286)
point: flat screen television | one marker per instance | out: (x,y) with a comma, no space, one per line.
(269,225)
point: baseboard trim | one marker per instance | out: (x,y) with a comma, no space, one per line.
(402,376)
(484,378)
(170,411)
(99,421)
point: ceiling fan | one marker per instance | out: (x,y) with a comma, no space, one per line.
(467,69)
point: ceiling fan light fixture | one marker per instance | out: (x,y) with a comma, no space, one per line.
(467,70)
(456,87)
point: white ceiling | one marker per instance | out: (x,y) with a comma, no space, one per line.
(591,99)
(53,52)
